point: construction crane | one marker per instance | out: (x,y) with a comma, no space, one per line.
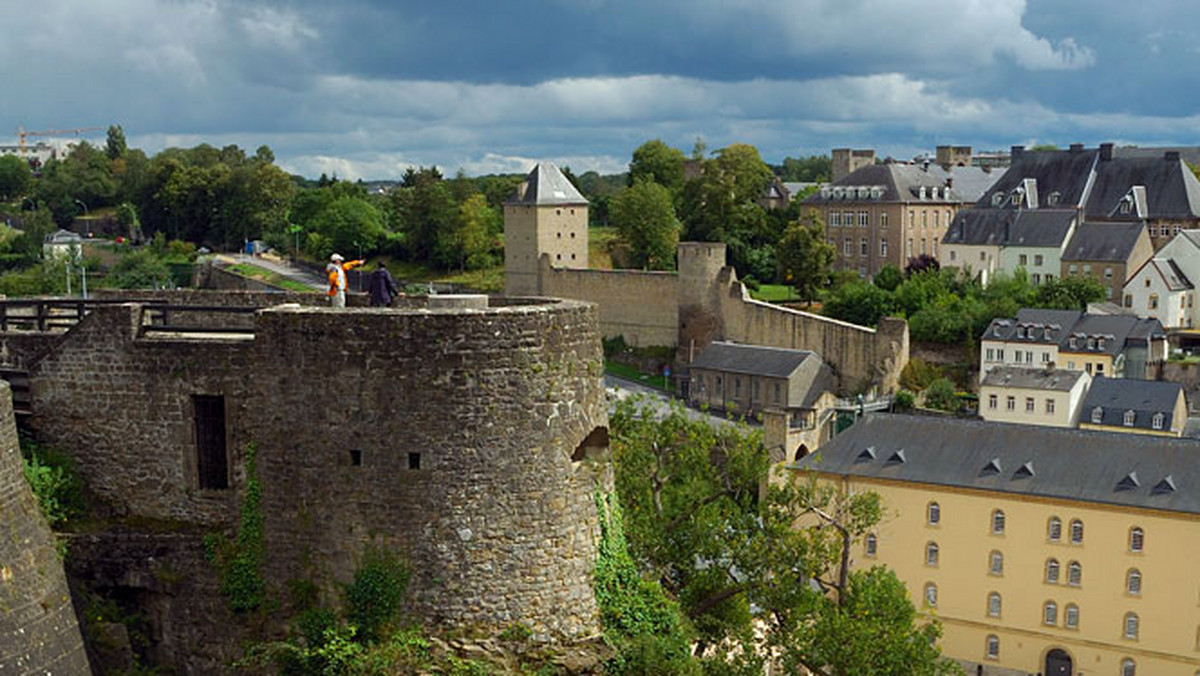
(21,134)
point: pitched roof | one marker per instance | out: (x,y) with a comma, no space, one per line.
(896,182)
(546,185)
(1168,271)
(814,375)
(1010,227)
(1146,398)
(1103,241)
(1063,463)
(1065,172)
(1172,191)
(1116,331)
(1032,379)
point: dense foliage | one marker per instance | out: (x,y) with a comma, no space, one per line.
(55,483)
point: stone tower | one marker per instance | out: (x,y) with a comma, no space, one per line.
(847,161)
(546,215)
(38,630)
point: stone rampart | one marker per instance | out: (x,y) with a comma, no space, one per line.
(641,306)
(38,631)
(451,435)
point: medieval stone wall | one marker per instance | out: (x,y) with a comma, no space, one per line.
(445,434)
(38,631)
(641,306)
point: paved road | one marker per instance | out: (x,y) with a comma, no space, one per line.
(297,274)
(656,400)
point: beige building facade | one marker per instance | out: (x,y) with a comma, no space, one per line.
(1035,551)
(546,215)
(1032,396)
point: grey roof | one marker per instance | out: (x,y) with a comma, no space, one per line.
(61,236)
(1190,154)
(546,185)
(903,182)
(1172,191)
(773,362)
(1032,379)
(1010,227)
(1116,396)
(1056,171)
(1103,242)
(1108,334)
(797,187)
(1067,464)
(1170,273)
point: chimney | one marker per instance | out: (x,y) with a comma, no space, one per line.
(1171,156)
(1106,152)
(1076,148)
(1049,367)
(1017,152)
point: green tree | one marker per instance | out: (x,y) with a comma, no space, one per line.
(889,278)
(812,169)
(645,220)
(15,177)
(115,146)
(1069,293)
(656,161)
(805,258)
(347,225)
(940,395)
(468,245)
(721,206)
(702,518)
(859,302)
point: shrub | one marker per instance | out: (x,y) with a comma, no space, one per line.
(903,400)
(373,598)
(918,374)
(55,483)
(940,395)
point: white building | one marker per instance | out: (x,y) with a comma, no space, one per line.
(1160,290)
(1033,396)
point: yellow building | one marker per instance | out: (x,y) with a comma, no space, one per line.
(1041,550)
(545,216)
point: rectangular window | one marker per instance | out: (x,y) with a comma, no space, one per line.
(1037,259)
(1049,407)
(883,220)
(1108,273)
(911,221)
(1072,269)
(1029,404)
(1022,260)
(846,246)
(1037,279)
(922,246)
(953,254)
(737,389)
(1017,356)
(863,249)
(864,219)
(1010,403)
(835,219)
(1087,268)
(924,219)
(414,461)
(908,249)
(1153,301)
(212,463)
(991,354)
(1129,300)
(1000,354)
(777,393)
(883,248)
(992,401)
(1046,357)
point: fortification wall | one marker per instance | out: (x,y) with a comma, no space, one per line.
(38,631)
(463,423)
(641,306)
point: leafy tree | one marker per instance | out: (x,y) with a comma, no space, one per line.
(422,212)
(468,245)
(645,219)
(347,225)
(922,263)
(814,168)
(805,258)
(918,374)
(859,302)
(140,269)
(658,162)
(703,519)
(721,206)
(15,177)
(889,277)
(1069,293)
(940,395)
(115,146)
(948,319)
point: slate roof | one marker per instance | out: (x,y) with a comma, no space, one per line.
(1068,464)
(1172,191)
(903,182)
(1063,171)
(771,362)
(1117,331)
(1145,398)
(545,185)
(1170,273)
(1103,242)
(1056,380)
(1010,227)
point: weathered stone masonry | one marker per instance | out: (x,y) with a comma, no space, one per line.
(447,434)
(38,631)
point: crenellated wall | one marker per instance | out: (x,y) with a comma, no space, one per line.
(39,634)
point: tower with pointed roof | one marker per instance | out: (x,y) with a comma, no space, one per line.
(545,215)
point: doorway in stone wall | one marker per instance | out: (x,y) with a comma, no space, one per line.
(1058,663)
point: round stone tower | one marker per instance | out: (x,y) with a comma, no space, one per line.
(38,630)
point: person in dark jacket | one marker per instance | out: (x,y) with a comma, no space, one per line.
(382,287)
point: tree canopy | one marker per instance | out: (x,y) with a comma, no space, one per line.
(645,220)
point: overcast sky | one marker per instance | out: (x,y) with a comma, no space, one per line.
(366,88)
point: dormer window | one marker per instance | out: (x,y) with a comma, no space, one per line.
(997,199)
(1129,417)
(1047,336)
(1053,198)
(1100,343)
(1126,205)
(1097,415)
(1020,331)
(1091,343)
(1073,342)
(1157,421)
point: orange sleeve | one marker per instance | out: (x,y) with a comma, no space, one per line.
(353,264)
(332,282)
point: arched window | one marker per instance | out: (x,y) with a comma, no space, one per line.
(998,522)
(1054,529)
(993,607)
(1071,616)
(931,594)
(1131,625)
(872,545)
(1133,581)
(993,647)
(1076,532)
(1128,667)
(1136,539)
(931,554)
(934,512)
(996,563)
(1052,571)
(1050,613)
(1074,574)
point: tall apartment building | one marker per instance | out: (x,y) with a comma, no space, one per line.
(1040,549)
(888,213)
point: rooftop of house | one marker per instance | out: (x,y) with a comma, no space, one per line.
(545,185)
(1159,473)
(1011,227)
(906,183)
(1109,400)
(769,362)
(1108,242)
(1074,331)
(1171,190)
(1049,379)
(1168,271)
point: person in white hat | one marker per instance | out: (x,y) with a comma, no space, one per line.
(337,278)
